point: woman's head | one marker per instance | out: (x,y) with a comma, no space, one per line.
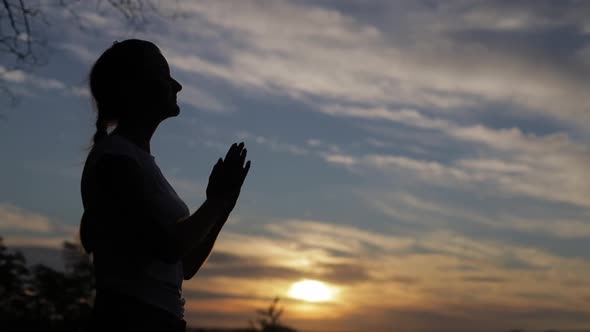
(131,82)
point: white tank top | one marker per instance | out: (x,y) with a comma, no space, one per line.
(158,283)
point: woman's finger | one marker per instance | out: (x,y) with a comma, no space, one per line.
(243,157)
(230,152)
(234,155)
(245,172)
(216,168)
(238,152)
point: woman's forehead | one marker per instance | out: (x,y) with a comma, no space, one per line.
(155,61)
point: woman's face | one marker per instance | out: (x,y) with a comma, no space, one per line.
(159,88)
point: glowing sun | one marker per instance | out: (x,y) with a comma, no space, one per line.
(311,291)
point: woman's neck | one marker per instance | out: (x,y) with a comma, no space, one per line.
(141,135)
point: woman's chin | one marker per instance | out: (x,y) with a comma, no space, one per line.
(170,112)
(175,110)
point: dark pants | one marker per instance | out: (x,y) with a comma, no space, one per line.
(119,312)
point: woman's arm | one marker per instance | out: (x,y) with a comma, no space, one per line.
(193,233)
(194,259)
(224,187)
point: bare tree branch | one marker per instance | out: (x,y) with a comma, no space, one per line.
(23,44)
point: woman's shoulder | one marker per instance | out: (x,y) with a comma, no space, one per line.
(114,167)
(115,147)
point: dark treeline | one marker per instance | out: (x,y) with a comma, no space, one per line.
(39,298)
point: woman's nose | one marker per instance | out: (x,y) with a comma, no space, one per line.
(177,85)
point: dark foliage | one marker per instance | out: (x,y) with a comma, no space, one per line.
(40,298)
(268,319)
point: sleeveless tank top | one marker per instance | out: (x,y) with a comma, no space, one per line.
(157,283)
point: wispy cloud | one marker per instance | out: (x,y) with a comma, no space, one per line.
(389,271)
(22,227)
(332,55)
(28,84)
(514,161)
(13,218)
(273,143)
(202,100)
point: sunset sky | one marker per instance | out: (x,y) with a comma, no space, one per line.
(428,161)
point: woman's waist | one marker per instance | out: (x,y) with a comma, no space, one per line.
(148,270)
(161,294)
(115,305)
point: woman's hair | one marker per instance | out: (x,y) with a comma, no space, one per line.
(113,78)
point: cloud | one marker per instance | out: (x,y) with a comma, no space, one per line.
(567,229)
(308,50)
(24,228)
(309,247)
(226,265)
(377,283)
(338,237)
(28,84)
(17,76)
(48,241)
(339,159)
(514,161)
(273,143)
(484,279)
(444,213)
(13,218)
(82,53)
(342,273)
(203,100)
(223,264)
(514,16)
(405,116)
(460,174)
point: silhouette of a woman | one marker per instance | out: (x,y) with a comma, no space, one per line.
(143,240)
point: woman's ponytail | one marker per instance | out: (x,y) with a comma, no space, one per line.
(101,128)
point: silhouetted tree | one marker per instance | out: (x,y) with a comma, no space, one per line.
(14,289)
(21,45)
(44,299)
(80,272)
(268,320)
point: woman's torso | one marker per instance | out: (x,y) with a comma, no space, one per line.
(157,282)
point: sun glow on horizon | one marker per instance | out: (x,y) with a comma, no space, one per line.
(312,291)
